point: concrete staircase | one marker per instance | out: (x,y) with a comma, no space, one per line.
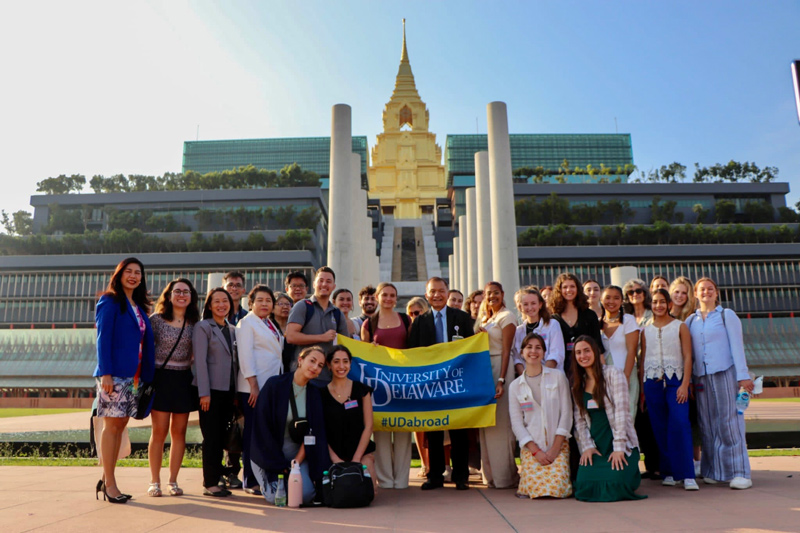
(408,265)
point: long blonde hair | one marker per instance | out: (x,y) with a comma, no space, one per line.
(691,301)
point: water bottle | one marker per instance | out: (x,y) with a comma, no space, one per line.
(742,401)
(295,486)
(326,478)
(365,472)
(280,493)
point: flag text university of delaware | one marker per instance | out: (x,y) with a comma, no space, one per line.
(444,386)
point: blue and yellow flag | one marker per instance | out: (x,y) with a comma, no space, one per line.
(445,386)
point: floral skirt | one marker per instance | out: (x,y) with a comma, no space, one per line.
(537,481)
(118,404)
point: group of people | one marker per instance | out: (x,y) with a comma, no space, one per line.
(609,367)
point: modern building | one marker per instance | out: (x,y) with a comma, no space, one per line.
(311,153)
(415,201)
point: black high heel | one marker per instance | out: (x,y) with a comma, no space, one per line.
(112,499)
(100,489)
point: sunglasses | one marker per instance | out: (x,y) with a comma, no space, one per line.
(635,291)
(415,313)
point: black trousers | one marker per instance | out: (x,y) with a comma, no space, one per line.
(212,425)
(647,441)
(459,455)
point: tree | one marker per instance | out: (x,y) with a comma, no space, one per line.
(295,239)
(734,172)
(522,174)
(787,214)
(701,212)
(62,184)
(724,211)
(759,212)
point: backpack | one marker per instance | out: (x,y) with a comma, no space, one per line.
(310,310)
(347,486)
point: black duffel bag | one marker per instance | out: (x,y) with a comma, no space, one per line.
(347,485)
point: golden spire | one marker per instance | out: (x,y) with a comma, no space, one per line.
(404,86)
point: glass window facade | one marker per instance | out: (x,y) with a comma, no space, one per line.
(756,287)
(311,153)
(545,150)
(67,298)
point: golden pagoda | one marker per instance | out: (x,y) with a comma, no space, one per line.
(406,174)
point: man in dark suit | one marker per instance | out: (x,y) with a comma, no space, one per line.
(440,324)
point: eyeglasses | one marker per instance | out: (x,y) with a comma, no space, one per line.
(235,285)
(178,292)
(635,291)
(297,287)
(283,303)
(415,313)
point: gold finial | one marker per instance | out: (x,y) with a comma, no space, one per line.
(404,55)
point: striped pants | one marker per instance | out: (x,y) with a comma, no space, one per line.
(724,447)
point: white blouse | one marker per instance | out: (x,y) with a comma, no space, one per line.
(553,341)
(664,355)
(616,345)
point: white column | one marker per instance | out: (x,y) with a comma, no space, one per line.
(483,208)
(462,250)
(472,242)
(454,281)
(214,281)
(340,213)
(622,274)
(450,267)
(357,206)
(505,256)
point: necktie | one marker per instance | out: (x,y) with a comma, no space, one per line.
(439,328)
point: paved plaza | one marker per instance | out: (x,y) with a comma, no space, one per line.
(60,499)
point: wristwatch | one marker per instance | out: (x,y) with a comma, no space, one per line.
(501,380)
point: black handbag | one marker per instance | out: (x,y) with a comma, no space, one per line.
(147,391)
(298,427)
(347,485)
(232,439)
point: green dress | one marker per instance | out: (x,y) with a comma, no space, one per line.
(598,482)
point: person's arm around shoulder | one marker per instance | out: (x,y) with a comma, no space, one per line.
(200,340)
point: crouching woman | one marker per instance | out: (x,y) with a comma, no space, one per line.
(541,417)
(289,425)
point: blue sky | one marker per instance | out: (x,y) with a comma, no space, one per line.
(109,87)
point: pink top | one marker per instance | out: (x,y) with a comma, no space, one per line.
(392,337)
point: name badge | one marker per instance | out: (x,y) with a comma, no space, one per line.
(526,406)
(352,404)
(569,346)
(458,338)
(309,440)
(591,404)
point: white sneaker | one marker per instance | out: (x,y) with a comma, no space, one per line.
(448,474)
(690,484)
(475,472)
(697,470)
(741,483)
(669,481)
(709,481)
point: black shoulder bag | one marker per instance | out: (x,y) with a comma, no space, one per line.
(147,391)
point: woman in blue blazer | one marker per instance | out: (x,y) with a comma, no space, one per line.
(125,359)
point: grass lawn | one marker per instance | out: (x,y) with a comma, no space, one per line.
(9,412)
(776,400)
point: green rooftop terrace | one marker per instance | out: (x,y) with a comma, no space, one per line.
(545,150)
(311,153)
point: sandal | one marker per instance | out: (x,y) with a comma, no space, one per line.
(174,489)
(154,489)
